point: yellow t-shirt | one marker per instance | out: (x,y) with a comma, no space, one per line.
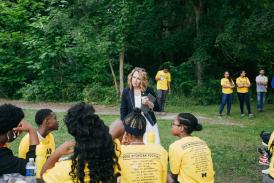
(48,143)
(143,164)
(242,81)
(190,159)
(226,82)
(271,149)
(60,173)
(162,84)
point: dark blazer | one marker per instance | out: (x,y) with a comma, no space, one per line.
(128,104)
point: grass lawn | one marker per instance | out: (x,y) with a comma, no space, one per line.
(233,146)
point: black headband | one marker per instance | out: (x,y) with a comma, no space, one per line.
(134,131)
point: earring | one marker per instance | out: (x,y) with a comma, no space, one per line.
(14,135)
(8,136)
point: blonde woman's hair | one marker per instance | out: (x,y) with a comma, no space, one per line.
(143,77)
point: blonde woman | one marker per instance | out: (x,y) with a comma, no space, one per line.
(139,95)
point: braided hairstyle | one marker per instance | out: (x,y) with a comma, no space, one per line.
(94,146)
(135,123)
(190,122)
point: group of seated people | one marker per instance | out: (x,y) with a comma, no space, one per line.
(104,154)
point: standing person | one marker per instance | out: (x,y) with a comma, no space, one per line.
(189,157)
(163,79)
(11,125)
(261,83)
(93,151)
(227,93)
(136,96)
(141,162)
(47,122)
(243,85)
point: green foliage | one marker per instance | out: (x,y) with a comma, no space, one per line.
(96,93)
(50,48)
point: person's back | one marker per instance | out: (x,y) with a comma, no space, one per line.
(140,162)
(92,154)
(143,163)
(190,158)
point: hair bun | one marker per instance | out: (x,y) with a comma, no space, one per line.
(137,111)
(199,127)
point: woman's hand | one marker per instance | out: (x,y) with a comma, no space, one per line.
(147,102)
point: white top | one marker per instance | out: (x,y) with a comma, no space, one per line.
(138,101)
(261,87)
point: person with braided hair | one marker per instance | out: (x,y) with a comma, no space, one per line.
(93,157)
(141,162)
(189,157)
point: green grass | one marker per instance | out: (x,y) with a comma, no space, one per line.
(233,146)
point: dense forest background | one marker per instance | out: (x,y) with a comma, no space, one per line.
(70,50)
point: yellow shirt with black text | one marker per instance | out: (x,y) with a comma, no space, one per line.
(226,82)
(143,163)
(242,81)
(271,150)
(164,78)
(190,159)
(48,143)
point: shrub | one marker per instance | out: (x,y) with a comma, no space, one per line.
(96,93)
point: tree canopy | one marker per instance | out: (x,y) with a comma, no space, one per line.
(63,49)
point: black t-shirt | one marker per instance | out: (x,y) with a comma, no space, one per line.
(12,164)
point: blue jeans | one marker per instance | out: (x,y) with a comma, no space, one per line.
(226,100)
(260,100)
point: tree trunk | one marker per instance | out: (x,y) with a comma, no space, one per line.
(121,69)
(114,78)
(200,9)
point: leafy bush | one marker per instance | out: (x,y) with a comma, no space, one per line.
(96,93)
(49,91)
(205,94)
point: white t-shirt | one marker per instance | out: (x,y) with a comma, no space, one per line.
(261,87)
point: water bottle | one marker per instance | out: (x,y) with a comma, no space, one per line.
(31,171)
(151,137)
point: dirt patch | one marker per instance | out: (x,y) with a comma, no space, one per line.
(108,110)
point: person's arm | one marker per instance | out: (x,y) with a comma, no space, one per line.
(23,147)
(117,129)
(174,161)
(248,83)
(157,77)
(65,149)
(168,83)
(224,85)
(164,170)
(239,85)
(123,107)
(26,127)
(153,106)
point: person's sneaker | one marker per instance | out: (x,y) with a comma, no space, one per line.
(242,115)
(263,160)
(250,115)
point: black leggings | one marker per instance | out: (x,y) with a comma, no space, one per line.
(244,98)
